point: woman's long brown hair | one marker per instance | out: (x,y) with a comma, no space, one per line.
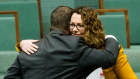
(94,33)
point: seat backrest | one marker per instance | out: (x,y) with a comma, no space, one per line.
(28,14)
(8,33)
(7,58)
(9,30)
(133,11)
(115,25)
(133,58)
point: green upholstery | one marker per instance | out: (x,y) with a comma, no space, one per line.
(133,58)
(133,12)
(90,3)
(8,33)
(6,59)
(29,26)
(133,55)
(115,25)
(1,76)
(137,74)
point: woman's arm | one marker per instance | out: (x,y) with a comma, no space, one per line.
(122,67)
(27,46)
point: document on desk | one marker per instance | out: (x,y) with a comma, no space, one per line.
(95,74)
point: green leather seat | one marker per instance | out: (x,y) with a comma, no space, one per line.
(6,60)
(115,25)
(133,12)
(8,33)
(28,16)
(133,55)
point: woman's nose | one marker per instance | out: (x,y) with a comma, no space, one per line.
(75,29)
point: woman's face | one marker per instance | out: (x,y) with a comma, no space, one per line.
(76,25)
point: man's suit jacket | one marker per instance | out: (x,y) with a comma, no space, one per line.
(63,57)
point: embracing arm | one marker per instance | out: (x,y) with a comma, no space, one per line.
(27,46)
(100,58)
(14,72)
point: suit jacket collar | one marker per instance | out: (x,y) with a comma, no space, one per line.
(57,32)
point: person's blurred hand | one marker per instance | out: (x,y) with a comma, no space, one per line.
(28,47)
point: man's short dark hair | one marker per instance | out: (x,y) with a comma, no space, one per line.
(60,18)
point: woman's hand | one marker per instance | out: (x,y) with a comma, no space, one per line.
(28,47)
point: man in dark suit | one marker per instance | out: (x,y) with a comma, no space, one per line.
(60,56)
